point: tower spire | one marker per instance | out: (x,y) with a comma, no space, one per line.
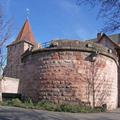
(25,34)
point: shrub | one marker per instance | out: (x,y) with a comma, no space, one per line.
(53,107)
(14,102)
(78,108)
(73,108)
(46,106)
(29,104)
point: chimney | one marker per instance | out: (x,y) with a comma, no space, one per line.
(99,35)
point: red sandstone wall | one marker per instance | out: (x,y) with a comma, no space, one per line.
(13,67)
(119,82)
(67,77)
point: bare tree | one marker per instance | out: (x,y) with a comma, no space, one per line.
(109,11)
(94,79)
(5,34)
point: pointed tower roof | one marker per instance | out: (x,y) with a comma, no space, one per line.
(25,34)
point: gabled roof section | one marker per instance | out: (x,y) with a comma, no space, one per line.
(25,34)
(104,35)
(115,38)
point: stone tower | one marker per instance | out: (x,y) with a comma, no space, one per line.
(24,41)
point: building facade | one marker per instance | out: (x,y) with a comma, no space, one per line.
(66,71)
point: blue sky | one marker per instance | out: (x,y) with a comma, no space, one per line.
(54,19)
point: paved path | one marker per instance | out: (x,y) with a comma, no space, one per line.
(12,113)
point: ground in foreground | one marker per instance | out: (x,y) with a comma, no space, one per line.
(13,113)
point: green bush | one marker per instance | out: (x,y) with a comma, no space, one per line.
(73,108)
(14,102)
(29,104)
(78,108)
(46,106)
(53,107)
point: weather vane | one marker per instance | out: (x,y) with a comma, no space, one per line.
(28,12)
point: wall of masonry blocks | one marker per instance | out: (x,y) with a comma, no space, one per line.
(119,83)
(67,76)
(14,66)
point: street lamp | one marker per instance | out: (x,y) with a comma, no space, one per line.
(93,56)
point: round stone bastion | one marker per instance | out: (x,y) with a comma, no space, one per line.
(72,72)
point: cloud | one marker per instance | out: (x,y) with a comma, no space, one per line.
(75,33)
(68,6)
(6,4)
(82,33)
(85,34)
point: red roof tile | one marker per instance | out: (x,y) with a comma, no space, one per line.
(25,34)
